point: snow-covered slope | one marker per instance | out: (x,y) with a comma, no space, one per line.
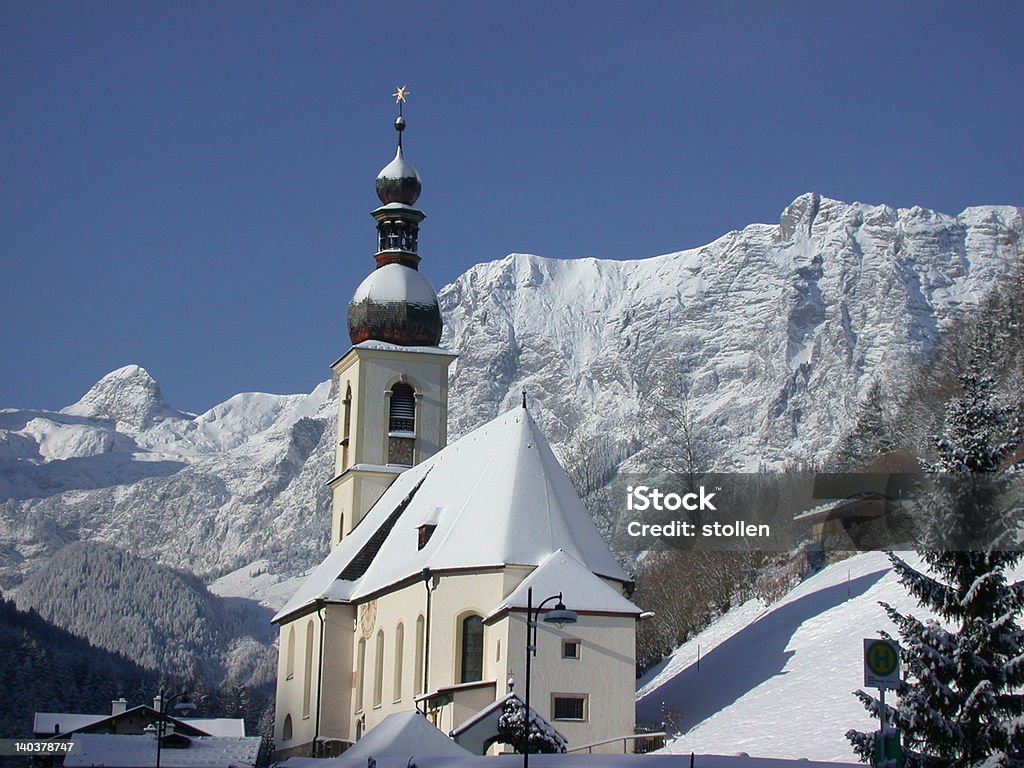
(778,681)
(777,331)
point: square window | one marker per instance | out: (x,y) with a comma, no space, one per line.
(571,649)
(569,706)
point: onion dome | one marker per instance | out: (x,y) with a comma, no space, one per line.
(398,181)
(396,304)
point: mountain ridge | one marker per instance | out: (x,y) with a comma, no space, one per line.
(771,333)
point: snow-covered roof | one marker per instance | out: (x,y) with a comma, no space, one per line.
(66,722)
(578,760)
(233,727)
(495,706)
(403,735)
(581,590)
(503,499)
(122,751)
(394,207)
(387,346)
(396,282)
(62,722)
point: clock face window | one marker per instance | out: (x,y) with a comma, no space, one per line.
(400,450)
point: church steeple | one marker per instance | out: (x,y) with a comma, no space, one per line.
(395,408)
(396,303)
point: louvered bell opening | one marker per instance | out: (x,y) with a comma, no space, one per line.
(403,409)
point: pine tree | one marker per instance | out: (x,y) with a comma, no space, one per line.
(959,702)
(871,436)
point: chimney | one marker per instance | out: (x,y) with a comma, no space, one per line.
(158,703)
(118,706)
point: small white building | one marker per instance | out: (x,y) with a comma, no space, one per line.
(421,602)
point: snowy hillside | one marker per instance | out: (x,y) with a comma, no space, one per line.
(777,682)
(777,331)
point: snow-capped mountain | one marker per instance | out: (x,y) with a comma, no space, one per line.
(205,493)
(774,331)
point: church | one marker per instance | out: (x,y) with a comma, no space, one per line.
(436,548)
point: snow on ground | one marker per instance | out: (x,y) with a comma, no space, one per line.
(255,582)
(778,681)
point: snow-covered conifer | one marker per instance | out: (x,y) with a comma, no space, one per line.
(960,702)
(542,738)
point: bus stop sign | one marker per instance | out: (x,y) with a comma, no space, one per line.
(881,663)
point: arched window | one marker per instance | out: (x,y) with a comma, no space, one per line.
(286,731)
(417,667)
(378,670)
(290,664)
(399,650)
(401,425)
(360,672)
(403,409)
(307,683)
(346,426)
(472,656)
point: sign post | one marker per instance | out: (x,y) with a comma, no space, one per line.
(882,671)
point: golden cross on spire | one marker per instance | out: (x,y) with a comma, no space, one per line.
(400,94)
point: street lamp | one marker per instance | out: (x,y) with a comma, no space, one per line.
(161,724)
(558,615)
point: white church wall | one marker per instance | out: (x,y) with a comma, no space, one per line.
(298,669)
(604,673)
(453,596)
(338,677)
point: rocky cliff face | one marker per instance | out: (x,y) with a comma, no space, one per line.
(773,333)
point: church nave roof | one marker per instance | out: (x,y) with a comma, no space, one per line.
(498,496)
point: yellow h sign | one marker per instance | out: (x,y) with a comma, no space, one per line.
(881,663)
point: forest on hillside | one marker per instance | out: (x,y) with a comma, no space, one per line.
(98,623)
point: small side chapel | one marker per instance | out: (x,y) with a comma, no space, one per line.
(422,601)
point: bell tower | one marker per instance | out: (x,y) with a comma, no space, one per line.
(393,381)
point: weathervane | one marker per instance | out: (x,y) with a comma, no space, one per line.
(400,96)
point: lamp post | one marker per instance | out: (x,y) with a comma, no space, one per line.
(558,615)
(182,706)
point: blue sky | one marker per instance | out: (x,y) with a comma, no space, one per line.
(187,185)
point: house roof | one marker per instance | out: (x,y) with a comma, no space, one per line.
(62,722)
(121,751)
(403,735)
(51,723)
(581,590)
(233,727)
(498,496)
